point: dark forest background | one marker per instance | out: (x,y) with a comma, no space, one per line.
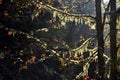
(59,40)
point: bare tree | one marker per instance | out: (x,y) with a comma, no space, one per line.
(99,28)
(113,49)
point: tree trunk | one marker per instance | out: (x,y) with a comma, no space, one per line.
(99,28)
(113,48)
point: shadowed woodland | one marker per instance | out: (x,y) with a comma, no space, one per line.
(59,40)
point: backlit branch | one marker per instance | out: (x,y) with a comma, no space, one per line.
(64,16)
(69,14)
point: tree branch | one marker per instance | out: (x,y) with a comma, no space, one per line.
(69,14)
(81,5)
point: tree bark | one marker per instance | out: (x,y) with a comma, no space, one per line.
(113,48)
(99,28)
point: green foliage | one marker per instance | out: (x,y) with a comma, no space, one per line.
(118,1)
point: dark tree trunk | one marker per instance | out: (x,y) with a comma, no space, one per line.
(99,28)
(113,48)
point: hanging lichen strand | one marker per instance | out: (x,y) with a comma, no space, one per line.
(64,16)
(69,17)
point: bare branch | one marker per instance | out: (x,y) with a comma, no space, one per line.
(81,5)
(69,14)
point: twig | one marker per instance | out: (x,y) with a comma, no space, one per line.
(81,5)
